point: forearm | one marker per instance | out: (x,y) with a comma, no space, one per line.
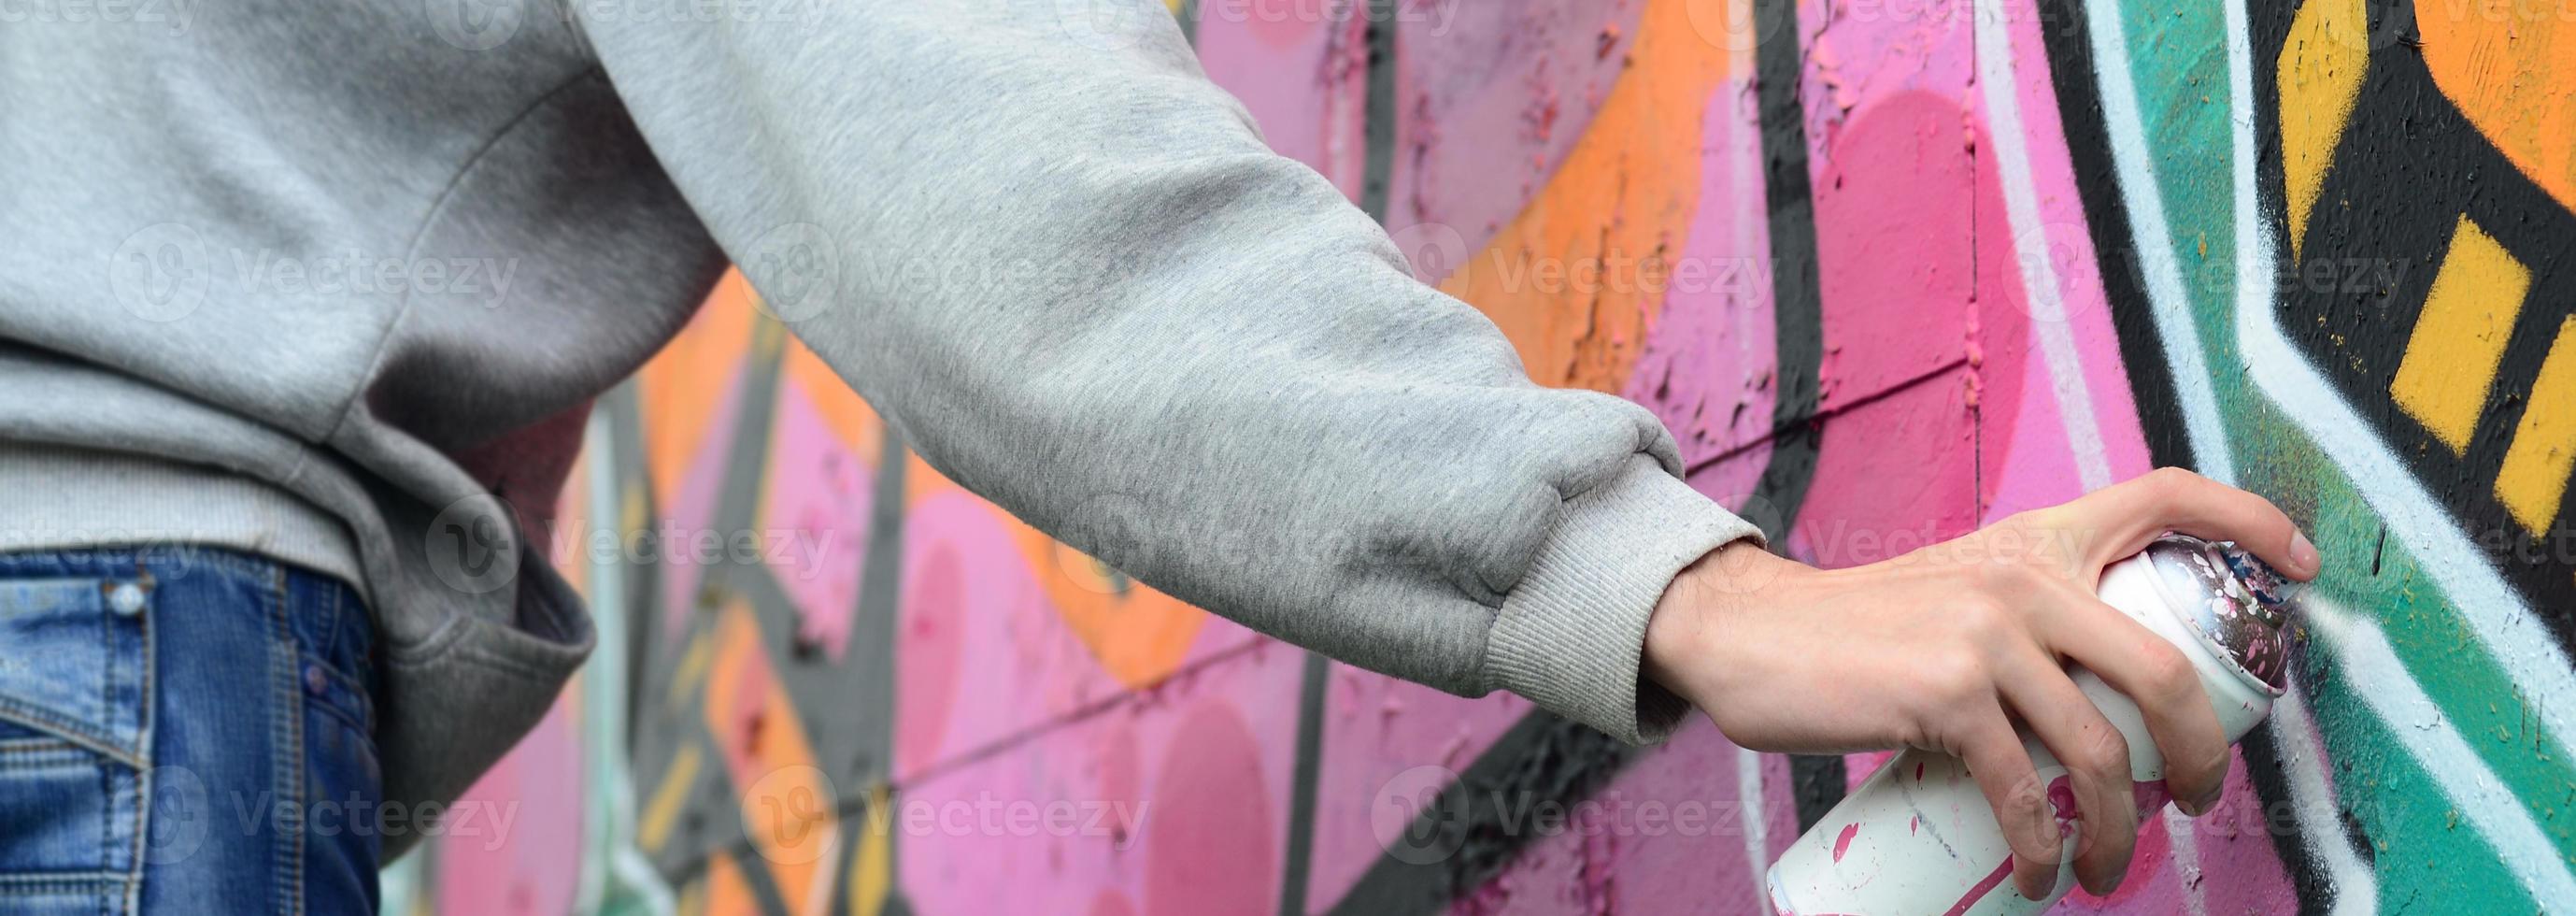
(1075,280)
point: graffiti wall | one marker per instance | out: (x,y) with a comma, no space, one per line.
(1889,270)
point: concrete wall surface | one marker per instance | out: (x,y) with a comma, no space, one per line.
(1890,269)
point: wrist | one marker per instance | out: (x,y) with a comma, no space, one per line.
(1688,636)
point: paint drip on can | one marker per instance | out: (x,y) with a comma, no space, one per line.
(1918,836)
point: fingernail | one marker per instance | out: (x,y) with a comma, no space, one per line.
(2304,553)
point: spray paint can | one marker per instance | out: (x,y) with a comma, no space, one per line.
(1918,837)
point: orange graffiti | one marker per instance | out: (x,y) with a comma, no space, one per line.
(788,805)
(1139,635)
(1575,280)
(851,418)
(686,383)
(2511,67)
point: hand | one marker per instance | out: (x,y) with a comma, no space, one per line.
(1949,647)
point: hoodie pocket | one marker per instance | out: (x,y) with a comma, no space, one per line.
(454,703)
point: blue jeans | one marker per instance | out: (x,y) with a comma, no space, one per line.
(184,730)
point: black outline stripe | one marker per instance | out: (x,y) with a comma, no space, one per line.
(1478,825)
(1298,869)
(2124,286)
(1817,781)
(1378,130)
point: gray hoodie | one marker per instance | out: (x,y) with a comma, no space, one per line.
(337,282)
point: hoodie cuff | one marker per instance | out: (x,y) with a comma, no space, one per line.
(1571,636)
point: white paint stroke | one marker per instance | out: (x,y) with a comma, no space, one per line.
(1756,817)
(608,817)
(2365,660)
(2186,860)
(2520,644)
(2142,197)
(2312,805)
(2039,279)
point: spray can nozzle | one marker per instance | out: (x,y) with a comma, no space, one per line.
(2264,584)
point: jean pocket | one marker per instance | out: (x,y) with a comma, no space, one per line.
(65,811)
(71,662)
(71,706)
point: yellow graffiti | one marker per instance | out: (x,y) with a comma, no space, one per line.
(2451,357)
(2535,472)
(664,809)
(872,866)
(693,665)
(2320,77)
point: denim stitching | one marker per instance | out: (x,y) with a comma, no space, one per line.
(288,732)
(106,819)
(347,696)
(107,695)
(19,885)
(64,757)
(349,717)
(149,697)
(297,762)
(15,712)
(330,654)
(11,748)
(107,667)
(113,561)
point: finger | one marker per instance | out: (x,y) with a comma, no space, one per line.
(2160,679)
(2096,759)
(2135,512)
(2012,787)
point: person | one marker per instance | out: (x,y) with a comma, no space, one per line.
(304,305)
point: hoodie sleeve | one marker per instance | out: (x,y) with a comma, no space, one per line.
(1067,271)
